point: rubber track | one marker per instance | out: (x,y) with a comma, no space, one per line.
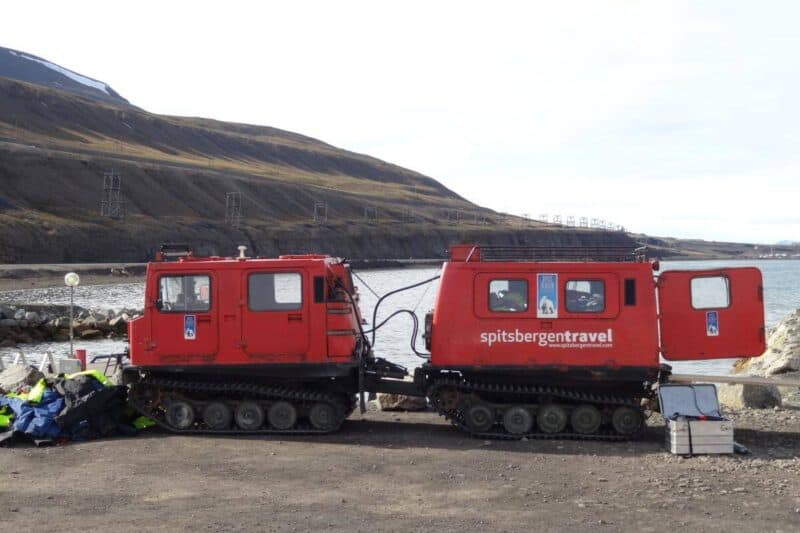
(456,416)
(292,394)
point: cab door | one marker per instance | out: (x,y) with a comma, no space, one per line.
(184,318)
(275,318)
(711,314)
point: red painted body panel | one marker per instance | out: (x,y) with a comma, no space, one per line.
(467,333)
(230,333)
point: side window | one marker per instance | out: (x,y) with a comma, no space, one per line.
(710,292)
(630,291)
(275,291)
(179,294)
(586,296)
(508,295)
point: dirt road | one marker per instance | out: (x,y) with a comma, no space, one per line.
(405,472)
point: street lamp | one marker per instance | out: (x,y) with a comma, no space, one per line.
(71,280)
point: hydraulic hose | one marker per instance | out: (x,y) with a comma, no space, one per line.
(415,319)
(414,332)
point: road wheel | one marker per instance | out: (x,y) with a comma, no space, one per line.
(517,420)
(282,415)
(449,398)
(180,415)
(551,418)
(626,420)
(586,419)
(249,416)
(323,416)
(217,415)
(479,417)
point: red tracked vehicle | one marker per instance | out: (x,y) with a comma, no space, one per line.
(248,344)
(524,342)
(565,342)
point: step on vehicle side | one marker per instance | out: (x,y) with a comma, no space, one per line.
(544,343)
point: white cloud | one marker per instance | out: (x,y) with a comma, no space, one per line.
(672,118)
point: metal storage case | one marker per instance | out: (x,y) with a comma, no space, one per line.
(687,431)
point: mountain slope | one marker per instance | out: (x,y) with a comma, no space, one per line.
(56,145)
(30,68)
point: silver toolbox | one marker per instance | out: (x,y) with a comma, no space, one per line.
(694,423)
(688,437)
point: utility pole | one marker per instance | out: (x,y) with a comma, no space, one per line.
(111,205)
(233,209)
(320,212)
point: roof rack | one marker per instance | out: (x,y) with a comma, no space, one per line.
(172,250)
(616,254)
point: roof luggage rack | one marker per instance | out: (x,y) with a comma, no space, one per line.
(615,254)
(172,251)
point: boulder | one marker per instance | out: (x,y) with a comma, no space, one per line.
(738,397)
(24,338)
(19,314)
(91,334)
(17,377)
(8,323)
(400,402)
(85,324)
(118,324)
(783,350)
(32,317)
(6,311)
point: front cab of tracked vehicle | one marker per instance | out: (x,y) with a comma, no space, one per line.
(294,316)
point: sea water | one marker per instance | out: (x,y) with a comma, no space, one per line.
(393,340)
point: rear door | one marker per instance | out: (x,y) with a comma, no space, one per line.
(275,324)
(711,314)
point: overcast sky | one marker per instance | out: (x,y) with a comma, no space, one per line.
(670,118)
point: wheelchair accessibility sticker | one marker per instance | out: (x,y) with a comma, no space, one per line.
(189,327)
(712,324)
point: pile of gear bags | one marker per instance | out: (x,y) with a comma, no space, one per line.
(73,407)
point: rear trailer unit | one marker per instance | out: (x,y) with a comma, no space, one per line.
(567,342)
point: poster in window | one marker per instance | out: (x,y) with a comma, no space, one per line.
(547,295)
(189,327)
(712,324)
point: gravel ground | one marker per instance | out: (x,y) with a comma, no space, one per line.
(406,472)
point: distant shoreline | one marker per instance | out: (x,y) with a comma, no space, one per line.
(35,276)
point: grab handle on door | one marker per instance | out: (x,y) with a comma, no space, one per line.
(295,317)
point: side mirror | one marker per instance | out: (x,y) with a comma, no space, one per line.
(159,304)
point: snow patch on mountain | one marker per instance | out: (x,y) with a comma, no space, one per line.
(68,73)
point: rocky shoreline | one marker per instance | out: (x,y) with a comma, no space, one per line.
(780,360)
(25,324)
